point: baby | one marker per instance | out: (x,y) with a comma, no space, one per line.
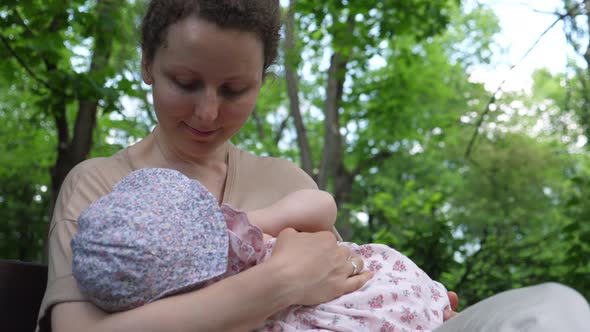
(159,233)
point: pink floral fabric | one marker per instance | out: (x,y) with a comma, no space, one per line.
(399,298)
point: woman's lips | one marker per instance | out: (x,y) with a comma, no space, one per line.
(201,133)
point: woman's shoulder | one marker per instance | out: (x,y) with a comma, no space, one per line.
(100,170)
(88,181)
(270,168)
(269,178)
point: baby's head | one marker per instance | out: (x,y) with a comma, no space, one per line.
(156,234)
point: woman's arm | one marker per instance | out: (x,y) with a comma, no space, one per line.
(307,210)
(219,307)
(305,268)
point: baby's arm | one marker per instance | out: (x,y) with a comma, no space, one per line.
(304,210)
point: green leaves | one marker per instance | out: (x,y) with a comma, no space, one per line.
(54,63)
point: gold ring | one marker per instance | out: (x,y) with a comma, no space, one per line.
(355,267)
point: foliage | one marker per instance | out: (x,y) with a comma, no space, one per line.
(24,178)
(69,65)
(577,232)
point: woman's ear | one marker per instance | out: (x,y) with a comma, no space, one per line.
(146,71)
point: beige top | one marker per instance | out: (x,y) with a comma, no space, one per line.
(252,182)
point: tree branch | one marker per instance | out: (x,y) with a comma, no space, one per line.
(22,22)
(24,65)
(379,157)
(293,92)
(570,12)
(279,133)
(259,126)
(332,154)
(471,260)
(88,105)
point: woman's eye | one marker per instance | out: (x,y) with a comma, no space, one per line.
(187,86)
(231,91)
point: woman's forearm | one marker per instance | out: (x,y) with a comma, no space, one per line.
(305,268)
(239,303)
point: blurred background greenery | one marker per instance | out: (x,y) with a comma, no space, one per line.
(485,189)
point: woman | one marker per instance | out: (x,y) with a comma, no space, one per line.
(205,80)
(206,61)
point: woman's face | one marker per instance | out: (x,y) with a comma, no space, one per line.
(205,84)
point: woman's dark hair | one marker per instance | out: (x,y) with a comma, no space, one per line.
(262,17)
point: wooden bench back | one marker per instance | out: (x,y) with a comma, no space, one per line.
(22,286)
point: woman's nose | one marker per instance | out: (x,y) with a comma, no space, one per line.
(207,106)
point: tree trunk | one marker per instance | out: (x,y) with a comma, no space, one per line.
(293,90)
(259,125)
(70,153)
(62,164)
(586,78)
(587,54)
(332,153)
(332,163)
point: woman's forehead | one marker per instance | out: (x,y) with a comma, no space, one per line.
(202,46)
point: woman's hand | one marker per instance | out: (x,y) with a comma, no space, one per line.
(450,312)
(320,269)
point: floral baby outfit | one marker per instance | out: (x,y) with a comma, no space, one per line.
(159,233)
(400,297)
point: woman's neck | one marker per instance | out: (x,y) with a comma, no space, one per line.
(176,158)
(155,151)
(210,170)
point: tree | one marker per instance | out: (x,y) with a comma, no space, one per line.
(68,66)
(577,21)
(43,42)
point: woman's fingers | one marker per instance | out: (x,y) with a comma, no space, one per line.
(357,281)
(355,264)
(356,277)
(322,269)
